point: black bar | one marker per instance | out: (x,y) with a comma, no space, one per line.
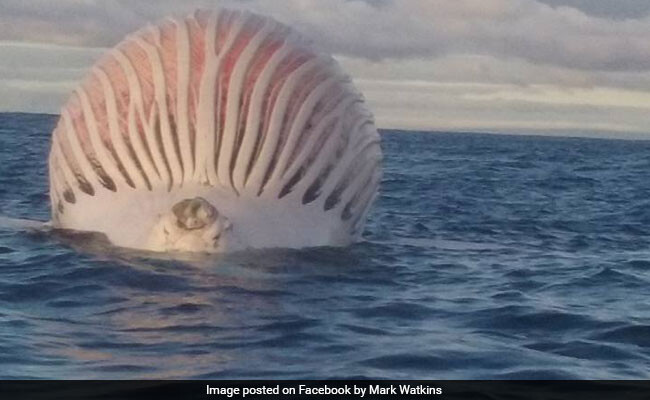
(334,389)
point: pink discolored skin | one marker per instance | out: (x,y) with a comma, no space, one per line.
(226,100)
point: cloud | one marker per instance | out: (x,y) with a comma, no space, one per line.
(515,65)
(492,69)
(526,29)
(505,107)
(618,9)
(491,94)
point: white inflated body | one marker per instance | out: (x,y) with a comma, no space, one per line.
(229,107)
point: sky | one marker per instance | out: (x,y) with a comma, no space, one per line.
(559,67)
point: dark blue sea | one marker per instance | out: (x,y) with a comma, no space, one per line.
(486,256)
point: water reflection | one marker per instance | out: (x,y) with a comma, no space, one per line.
(195,315)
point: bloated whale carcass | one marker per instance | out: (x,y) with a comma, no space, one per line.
(215,132)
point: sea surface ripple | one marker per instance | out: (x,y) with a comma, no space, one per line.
(486,257)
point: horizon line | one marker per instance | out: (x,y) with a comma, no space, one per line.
(602,134)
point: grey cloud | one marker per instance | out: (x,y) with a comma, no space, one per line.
(21,55)
(37,78)
(493,70)
(526,29)
(450,110)
(408,56)
(518,28)
(607,8)
(30,96)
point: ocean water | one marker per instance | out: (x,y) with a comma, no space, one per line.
(486,256)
